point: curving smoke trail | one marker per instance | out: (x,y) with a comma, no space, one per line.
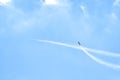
(84,49)
(114,66)
(106,53)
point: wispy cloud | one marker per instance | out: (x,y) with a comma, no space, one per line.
(4,2)
(51,2)
(21,22)
(114,16)
(116,3)
(60,3)
(114,66)
(84,10)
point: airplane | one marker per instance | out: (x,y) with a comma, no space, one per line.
(79,43)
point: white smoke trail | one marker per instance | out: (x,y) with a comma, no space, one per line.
(106,53)
(103,52)
(114,66)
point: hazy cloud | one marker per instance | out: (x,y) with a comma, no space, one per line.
(51,2)
(4,2)
(116,3)
(83,8)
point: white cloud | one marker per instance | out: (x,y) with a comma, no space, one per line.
(83,8)
(4,2)
(112,23)
(22,26)
(114,16)
(58,3)
(51,2)
(116,3)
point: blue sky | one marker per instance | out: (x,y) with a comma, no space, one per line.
(95,23)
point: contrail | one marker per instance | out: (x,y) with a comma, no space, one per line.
(114,66)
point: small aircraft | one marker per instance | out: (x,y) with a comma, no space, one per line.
(79,43)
